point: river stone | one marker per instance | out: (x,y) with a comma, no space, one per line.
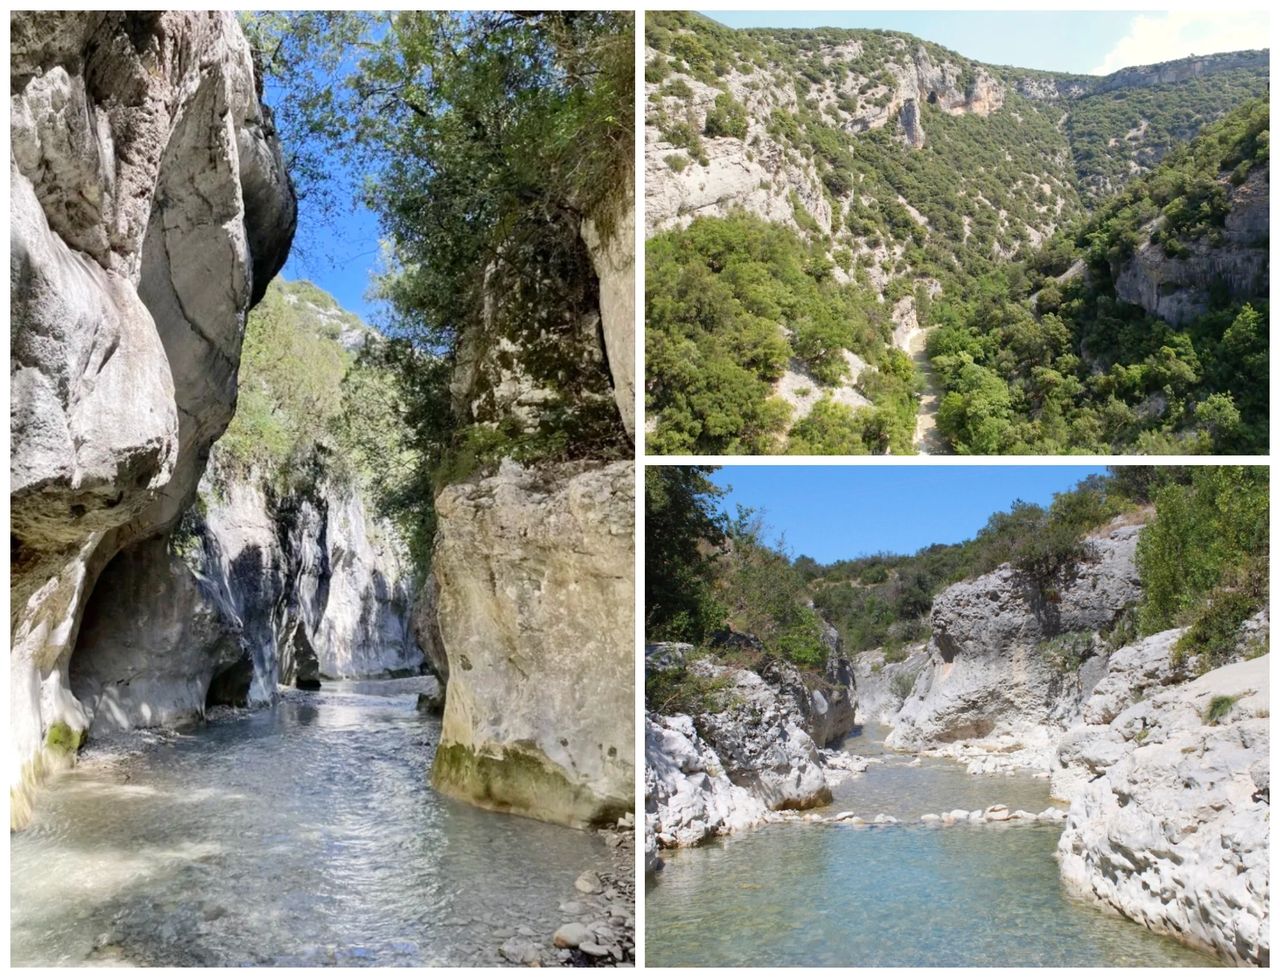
(570,935)
(588,882)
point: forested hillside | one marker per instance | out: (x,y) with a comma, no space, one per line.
(893,171)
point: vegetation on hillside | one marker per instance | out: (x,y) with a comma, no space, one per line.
(1035,360)
(1202,558)
(482,141)
(990,211)
(729,303)
(312,408)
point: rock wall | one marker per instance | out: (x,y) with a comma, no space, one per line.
(1170,817)
(993,680)
(535,570)
(1238,265)
(149,207)
(251,592)
(614,260)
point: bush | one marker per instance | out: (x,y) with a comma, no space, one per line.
(1202,532)
(727,118)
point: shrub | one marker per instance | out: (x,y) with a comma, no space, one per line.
(727,118)
(1218,709)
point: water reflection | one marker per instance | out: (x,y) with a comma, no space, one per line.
(305,834)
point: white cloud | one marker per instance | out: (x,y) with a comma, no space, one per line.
(1157,37)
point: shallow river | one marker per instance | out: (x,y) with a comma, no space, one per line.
(303,834)
(799,894)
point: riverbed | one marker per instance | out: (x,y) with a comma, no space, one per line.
(802,894)
(303,834)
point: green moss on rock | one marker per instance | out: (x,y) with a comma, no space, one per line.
(64,739)
(520,780)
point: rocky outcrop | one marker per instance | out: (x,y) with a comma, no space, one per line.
(688,796)
(1171,820)
(535,576)
(614,259)
(1010,663)
(1184,69)
(250,593)
(754,747)
(149,208)
(1238,265)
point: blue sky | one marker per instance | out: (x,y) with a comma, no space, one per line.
(838,512)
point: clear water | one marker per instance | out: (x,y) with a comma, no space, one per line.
(304,834)
(910,896)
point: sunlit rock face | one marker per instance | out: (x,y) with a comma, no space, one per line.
(535,570)
(1171,816)
(149,207)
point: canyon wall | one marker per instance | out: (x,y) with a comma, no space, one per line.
(149,209)
(531,598)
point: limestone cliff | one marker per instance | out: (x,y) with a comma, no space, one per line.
(149,209)
(1009,661)
(528,612)
(253,591)
(1235,263)
(535,571)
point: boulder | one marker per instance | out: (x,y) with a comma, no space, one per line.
(535,569)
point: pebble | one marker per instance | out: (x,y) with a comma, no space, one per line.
(588,882)
(570,935)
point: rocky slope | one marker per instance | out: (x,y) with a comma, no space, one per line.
(1235,264)
(149,209)
(753,746)
(853,83)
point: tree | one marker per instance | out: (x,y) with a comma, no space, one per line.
(683,533)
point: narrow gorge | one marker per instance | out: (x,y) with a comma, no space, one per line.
(306,612)
(1047,745)
(862,242)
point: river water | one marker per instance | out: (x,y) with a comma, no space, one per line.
(906,895)
(304,834)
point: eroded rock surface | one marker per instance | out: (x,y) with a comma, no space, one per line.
(535,569)
(250,593)
(1171,825)
(149,208)
(994,673)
